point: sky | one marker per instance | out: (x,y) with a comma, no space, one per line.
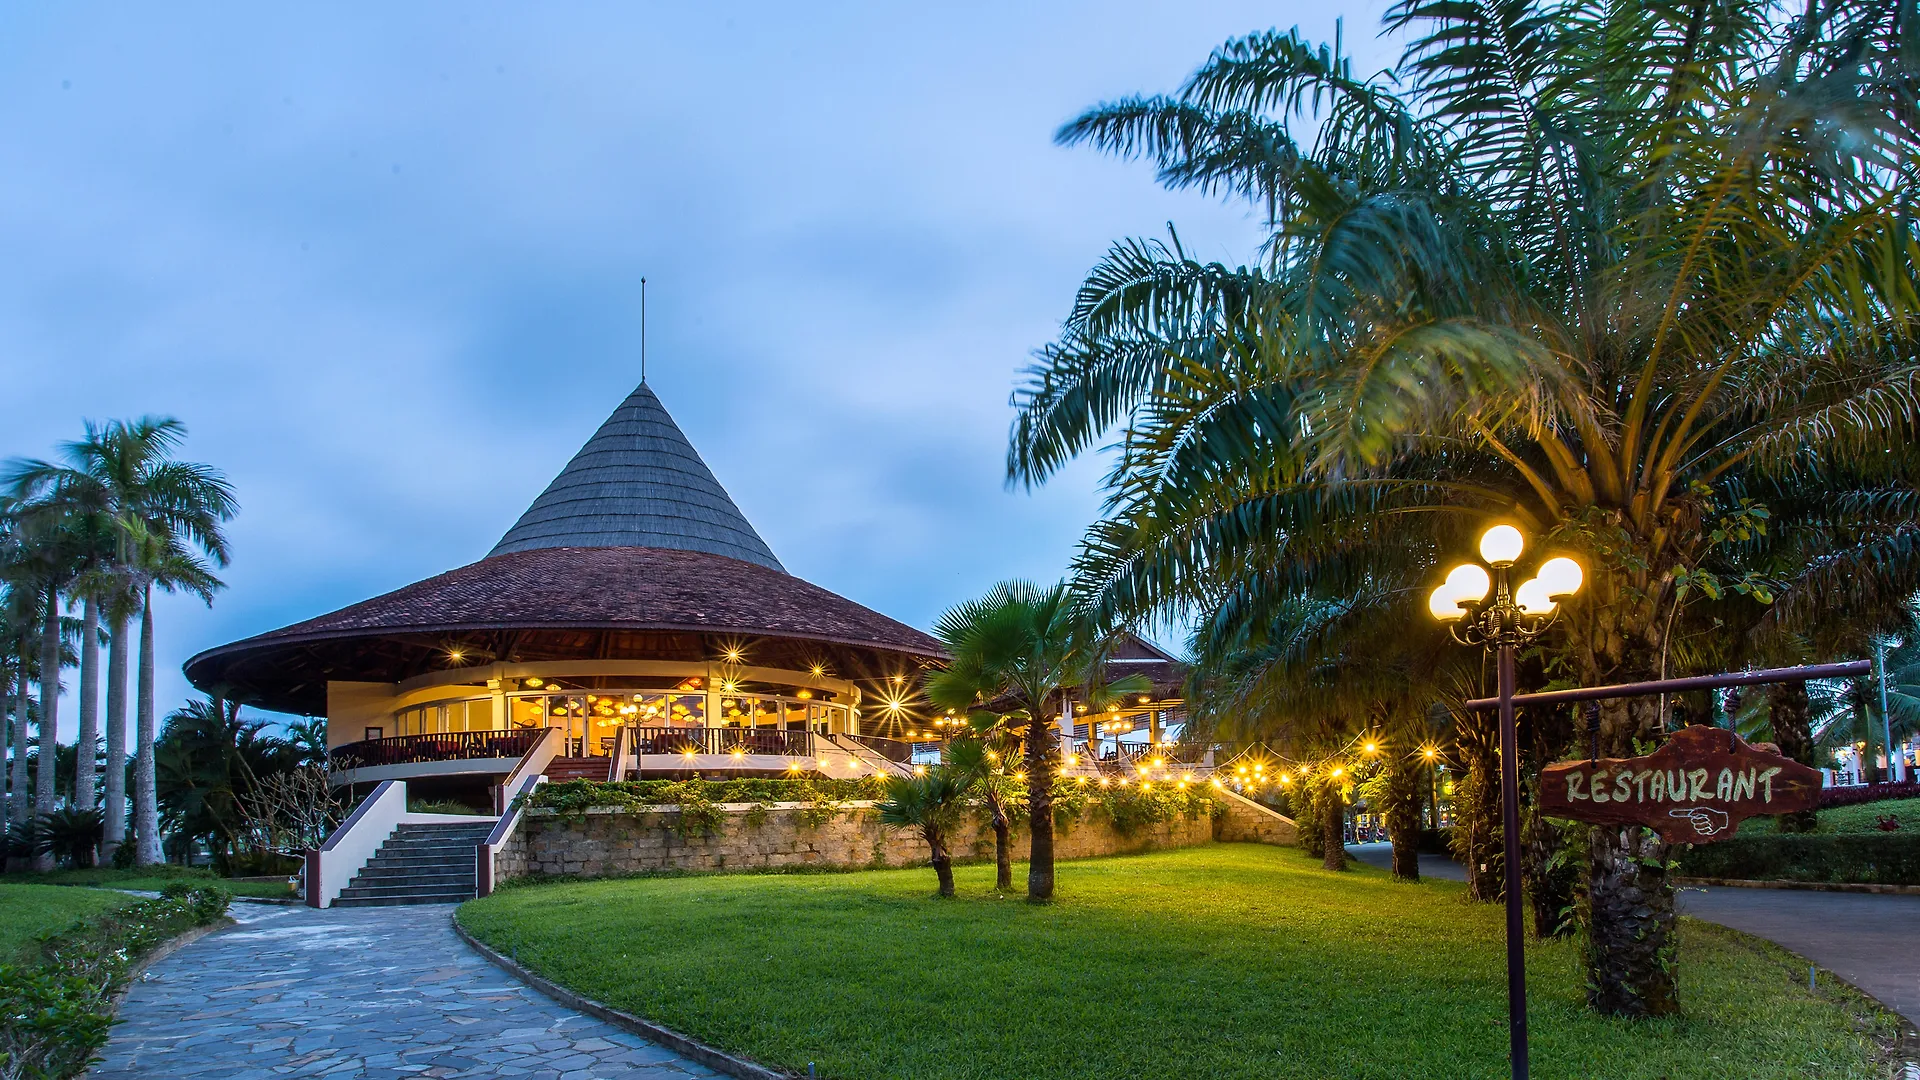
(384,262)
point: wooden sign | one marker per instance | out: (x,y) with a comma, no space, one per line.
(1696,789)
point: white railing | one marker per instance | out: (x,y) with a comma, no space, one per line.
(487,852)
(532,763)
(335,862)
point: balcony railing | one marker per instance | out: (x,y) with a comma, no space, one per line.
(777,742)
(446,746)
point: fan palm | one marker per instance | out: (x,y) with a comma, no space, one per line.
(1596,268)
(929,803)
(1017,652)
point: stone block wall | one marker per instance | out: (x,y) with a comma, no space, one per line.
(1248,821)
(602,842)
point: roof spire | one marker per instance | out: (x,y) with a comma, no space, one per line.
(638,483)
(643,331)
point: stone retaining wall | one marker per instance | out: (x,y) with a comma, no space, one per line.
(786,835)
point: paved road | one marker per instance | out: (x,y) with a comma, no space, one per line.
(1872,941)
(359,994)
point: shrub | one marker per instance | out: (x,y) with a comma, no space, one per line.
(1857,858)
(55,1013)
(577,796)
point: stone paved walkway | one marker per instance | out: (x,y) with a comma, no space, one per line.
(359,994)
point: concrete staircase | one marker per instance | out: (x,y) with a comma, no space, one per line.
(562,769)
(419,864)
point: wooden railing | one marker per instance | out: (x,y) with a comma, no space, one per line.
(780,743)
(447,746)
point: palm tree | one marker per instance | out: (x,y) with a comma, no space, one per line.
(1016,652)
(931,804)
(1600,269)
(160,511)
(981,761)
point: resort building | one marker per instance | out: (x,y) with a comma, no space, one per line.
(630,625)
(632,611)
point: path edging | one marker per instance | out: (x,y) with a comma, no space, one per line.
(706,1055)
(1809,886)
(161,952)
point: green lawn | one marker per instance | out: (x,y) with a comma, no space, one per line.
(1853,819)
(28,911)
(1229,961)
(153,879)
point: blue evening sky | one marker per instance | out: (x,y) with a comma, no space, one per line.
(384,261)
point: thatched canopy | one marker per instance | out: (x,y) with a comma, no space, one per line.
(633,552)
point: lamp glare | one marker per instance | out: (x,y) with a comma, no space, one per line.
(1502,545)
(1532,597)
(1561,576)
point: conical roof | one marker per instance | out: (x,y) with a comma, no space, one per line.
(638,483)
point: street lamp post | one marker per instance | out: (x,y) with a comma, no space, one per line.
(1501,623)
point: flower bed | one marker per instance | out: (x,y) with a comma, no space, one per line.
(55,1011)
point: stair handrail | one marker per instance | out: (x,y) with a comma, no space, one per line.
(503,830)
(532,763)
(616,771)
(348,848)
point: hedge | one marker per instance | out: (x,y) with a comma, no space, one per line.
(56,1011)
(1854,795)
(1857,858)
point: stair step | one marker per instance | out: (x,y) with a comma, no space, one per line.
(411,875)
(435,887)
(396,901)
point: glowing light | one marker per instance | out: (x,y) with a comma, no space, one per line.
(1073,759)
(919,770)
(536,683)
(1501,545)
(455,655)
(1158,764)
(1469,583)
(1337,770)
(1429,753)
(1561,577)
(1373,748)
(818,670)
(1532,597)
(1144,699)
(687,753)
(804,695)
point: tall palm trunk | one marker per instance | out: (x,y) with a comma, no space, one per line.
(20,810)
(1631,944)
(87,742)
(1863,723)
(1790,715)
(1333,819)
(1477,838)
(1002,843)
(44,795)
(146,809)
(1040,755)
(114,805)
(942,858)
(1403,817)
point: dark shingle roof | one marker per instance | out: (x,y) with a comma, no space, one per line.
(638,482)
(615,587)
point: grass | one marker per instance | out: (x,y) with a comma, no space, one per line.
(153,879)
(1227,961)
(1858,818)
(28,911)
